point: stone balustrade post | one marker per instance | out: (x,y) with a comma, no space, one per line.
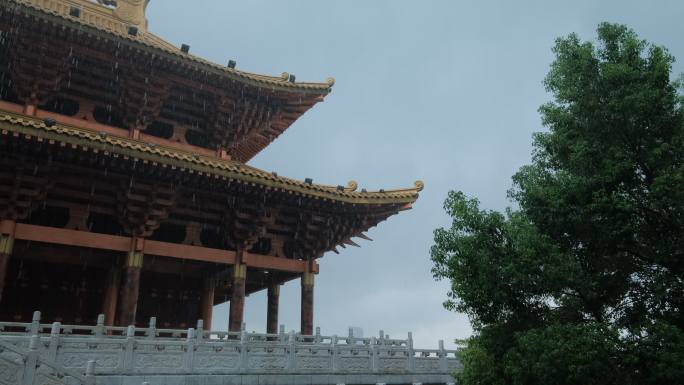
(90,369)
(152,328)
(382,337)
(442,357)
(189,350)
(282,336)
(129,350)
(244,358)
(200,330)
(54,341)
(411,353)
(291,352)
(34,329)
(374,354)
(335,351)
(350,339)
(317,337)
(31,361)
(100,326)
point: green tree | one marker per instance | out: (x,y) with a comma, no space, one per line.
(583,283)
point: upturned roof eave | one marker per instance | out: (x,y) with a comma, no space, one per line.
(149,40)
(225,169)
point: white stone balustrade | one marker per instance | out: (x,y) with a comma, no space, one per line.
(29,367)
(153,351)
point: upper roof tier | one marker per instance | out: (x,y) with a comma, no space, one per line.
(119,17)
(101,52)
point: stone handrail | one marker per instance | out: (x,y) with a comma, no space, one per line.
(149,350)
(28,367)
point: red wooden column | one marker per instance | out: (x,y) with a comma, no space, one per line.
(111,295)
(131,283)
(272,309)
(307,302)
(237,299)
(208,302)
(6,244)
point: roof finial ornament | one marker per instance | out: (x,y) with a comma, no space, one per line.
(132,12)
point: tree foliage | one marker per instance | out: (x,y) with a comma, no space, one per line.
(584,282)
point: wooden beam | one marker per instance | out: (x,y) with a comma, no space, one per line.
(86,239)
(268,262)
(195,253)
(72,237)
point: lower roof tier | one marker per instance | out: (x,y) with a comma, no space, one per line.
(115,185)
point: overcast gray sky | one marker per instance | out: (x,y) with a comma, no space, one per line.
(443,91)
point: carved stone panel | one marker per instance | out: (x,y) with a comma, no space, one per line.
(424,364)
(158,362)
(354,364)
(45,379)
(9,372)
(393,364)
(217,362)
(314,363)
(267,362)
(104,362)
(163,349)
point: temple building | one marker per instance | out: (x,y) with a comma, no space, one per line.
(124,183)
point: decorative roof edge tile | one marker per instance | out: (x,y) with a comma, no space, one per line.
(103,19)
(225,169)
